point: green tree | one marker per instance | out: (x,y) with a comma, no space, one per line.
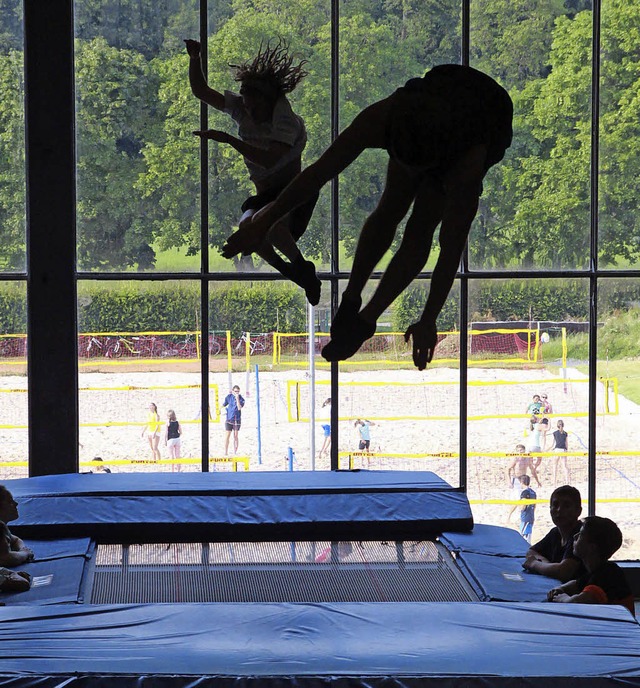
(539,199)
(117,96)
(10,26)
(12,176)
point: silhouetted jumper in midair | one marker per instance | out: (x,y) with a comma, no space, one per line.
(271,138)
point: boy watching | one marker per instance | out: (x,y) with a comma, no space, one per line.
(553,556)
(528,511)
(604,581)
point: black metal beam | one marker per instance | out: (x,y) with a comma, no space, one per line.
(51,237)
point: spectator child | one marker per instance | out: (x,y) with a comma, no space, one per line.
(13,552)
(527,512)
(553,556)
(604,581)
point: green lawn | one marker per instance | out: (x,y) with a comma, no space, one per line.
(628,373)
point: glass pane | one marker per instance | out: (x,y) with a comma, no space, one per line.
(12,161)
(534,211)
(392,416)
(238,39)
(527,371)
(619,165)
(137,161)
(139,357)
(380,49)
(261,348)
(618,420)
(13,381)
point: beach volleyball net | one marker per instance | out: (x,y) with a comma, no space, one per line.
(515,346)
(439,399)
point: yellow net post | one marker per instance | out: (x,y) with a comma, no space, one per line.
(247,350)
(274,355)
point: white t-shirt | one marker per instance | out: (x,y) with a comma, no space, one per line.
(285,127)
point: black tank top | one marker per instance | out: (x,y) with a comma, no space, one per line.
(172,430)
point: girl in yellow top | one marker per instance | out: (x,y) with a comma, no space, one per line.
(152,428)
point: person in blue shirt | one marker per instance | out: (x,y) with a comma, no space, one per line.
(233,404)
(364,434)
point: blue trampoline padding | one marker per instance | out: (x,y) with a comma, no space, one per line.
(251,506)
(503,579)
(62,582)
(257,482)
(312,645)
(45,550)
(486,539)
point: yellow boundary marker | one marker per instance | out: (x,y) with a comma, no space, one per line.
(234,460)
(351,455)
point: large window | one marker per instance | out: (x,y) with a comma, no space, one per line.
(545,303)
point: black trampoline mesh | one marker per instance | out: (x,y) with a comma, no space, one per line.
(277,572)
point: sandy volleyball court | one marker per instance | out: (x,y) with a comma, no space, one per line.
(415,418)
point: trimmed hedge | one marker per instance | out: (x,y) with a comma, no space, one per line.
(280,307)
(522,300)
(170,306)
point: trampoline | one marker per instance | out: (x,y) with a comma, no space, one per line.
(353,578)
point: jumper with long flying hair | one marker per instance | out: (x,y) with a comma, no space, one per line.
(274,66)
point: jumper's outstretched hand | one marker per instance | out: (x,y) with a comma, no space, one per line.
(213,135)
(425,338)
(193,47)
(250,235)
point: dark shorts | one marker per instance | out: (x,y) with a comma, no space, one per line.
(299,217)
(364,444)
(231,426)
(470,109)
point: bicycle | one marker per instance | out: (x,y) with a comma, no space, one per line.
(123,345)
(184,349)
(214,345)
(257,345)
(94,347)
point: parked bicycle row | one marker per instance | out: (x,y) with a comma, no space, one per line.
(162,345)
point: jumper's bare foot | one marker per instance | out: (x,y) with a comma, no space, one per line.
(345,344)
(246,240)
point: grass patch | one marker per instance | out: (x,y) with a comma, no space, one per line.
(627,372)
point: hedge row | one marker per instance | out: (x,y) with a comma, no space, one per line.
(267,307)
(171,306)
(526,299)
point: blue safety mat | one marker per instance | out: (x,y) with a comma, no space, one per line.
(57,573)
(252,506)
(312,645)
(490,558)
(486,539)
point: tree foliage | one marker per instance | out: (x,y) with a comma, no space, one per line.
(139,185)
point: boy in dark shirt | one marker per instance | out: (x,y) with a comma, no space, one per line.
(553,556)
(604,581)
(528,511)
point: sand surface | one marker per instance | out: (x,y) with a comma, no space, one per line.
(414,414)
